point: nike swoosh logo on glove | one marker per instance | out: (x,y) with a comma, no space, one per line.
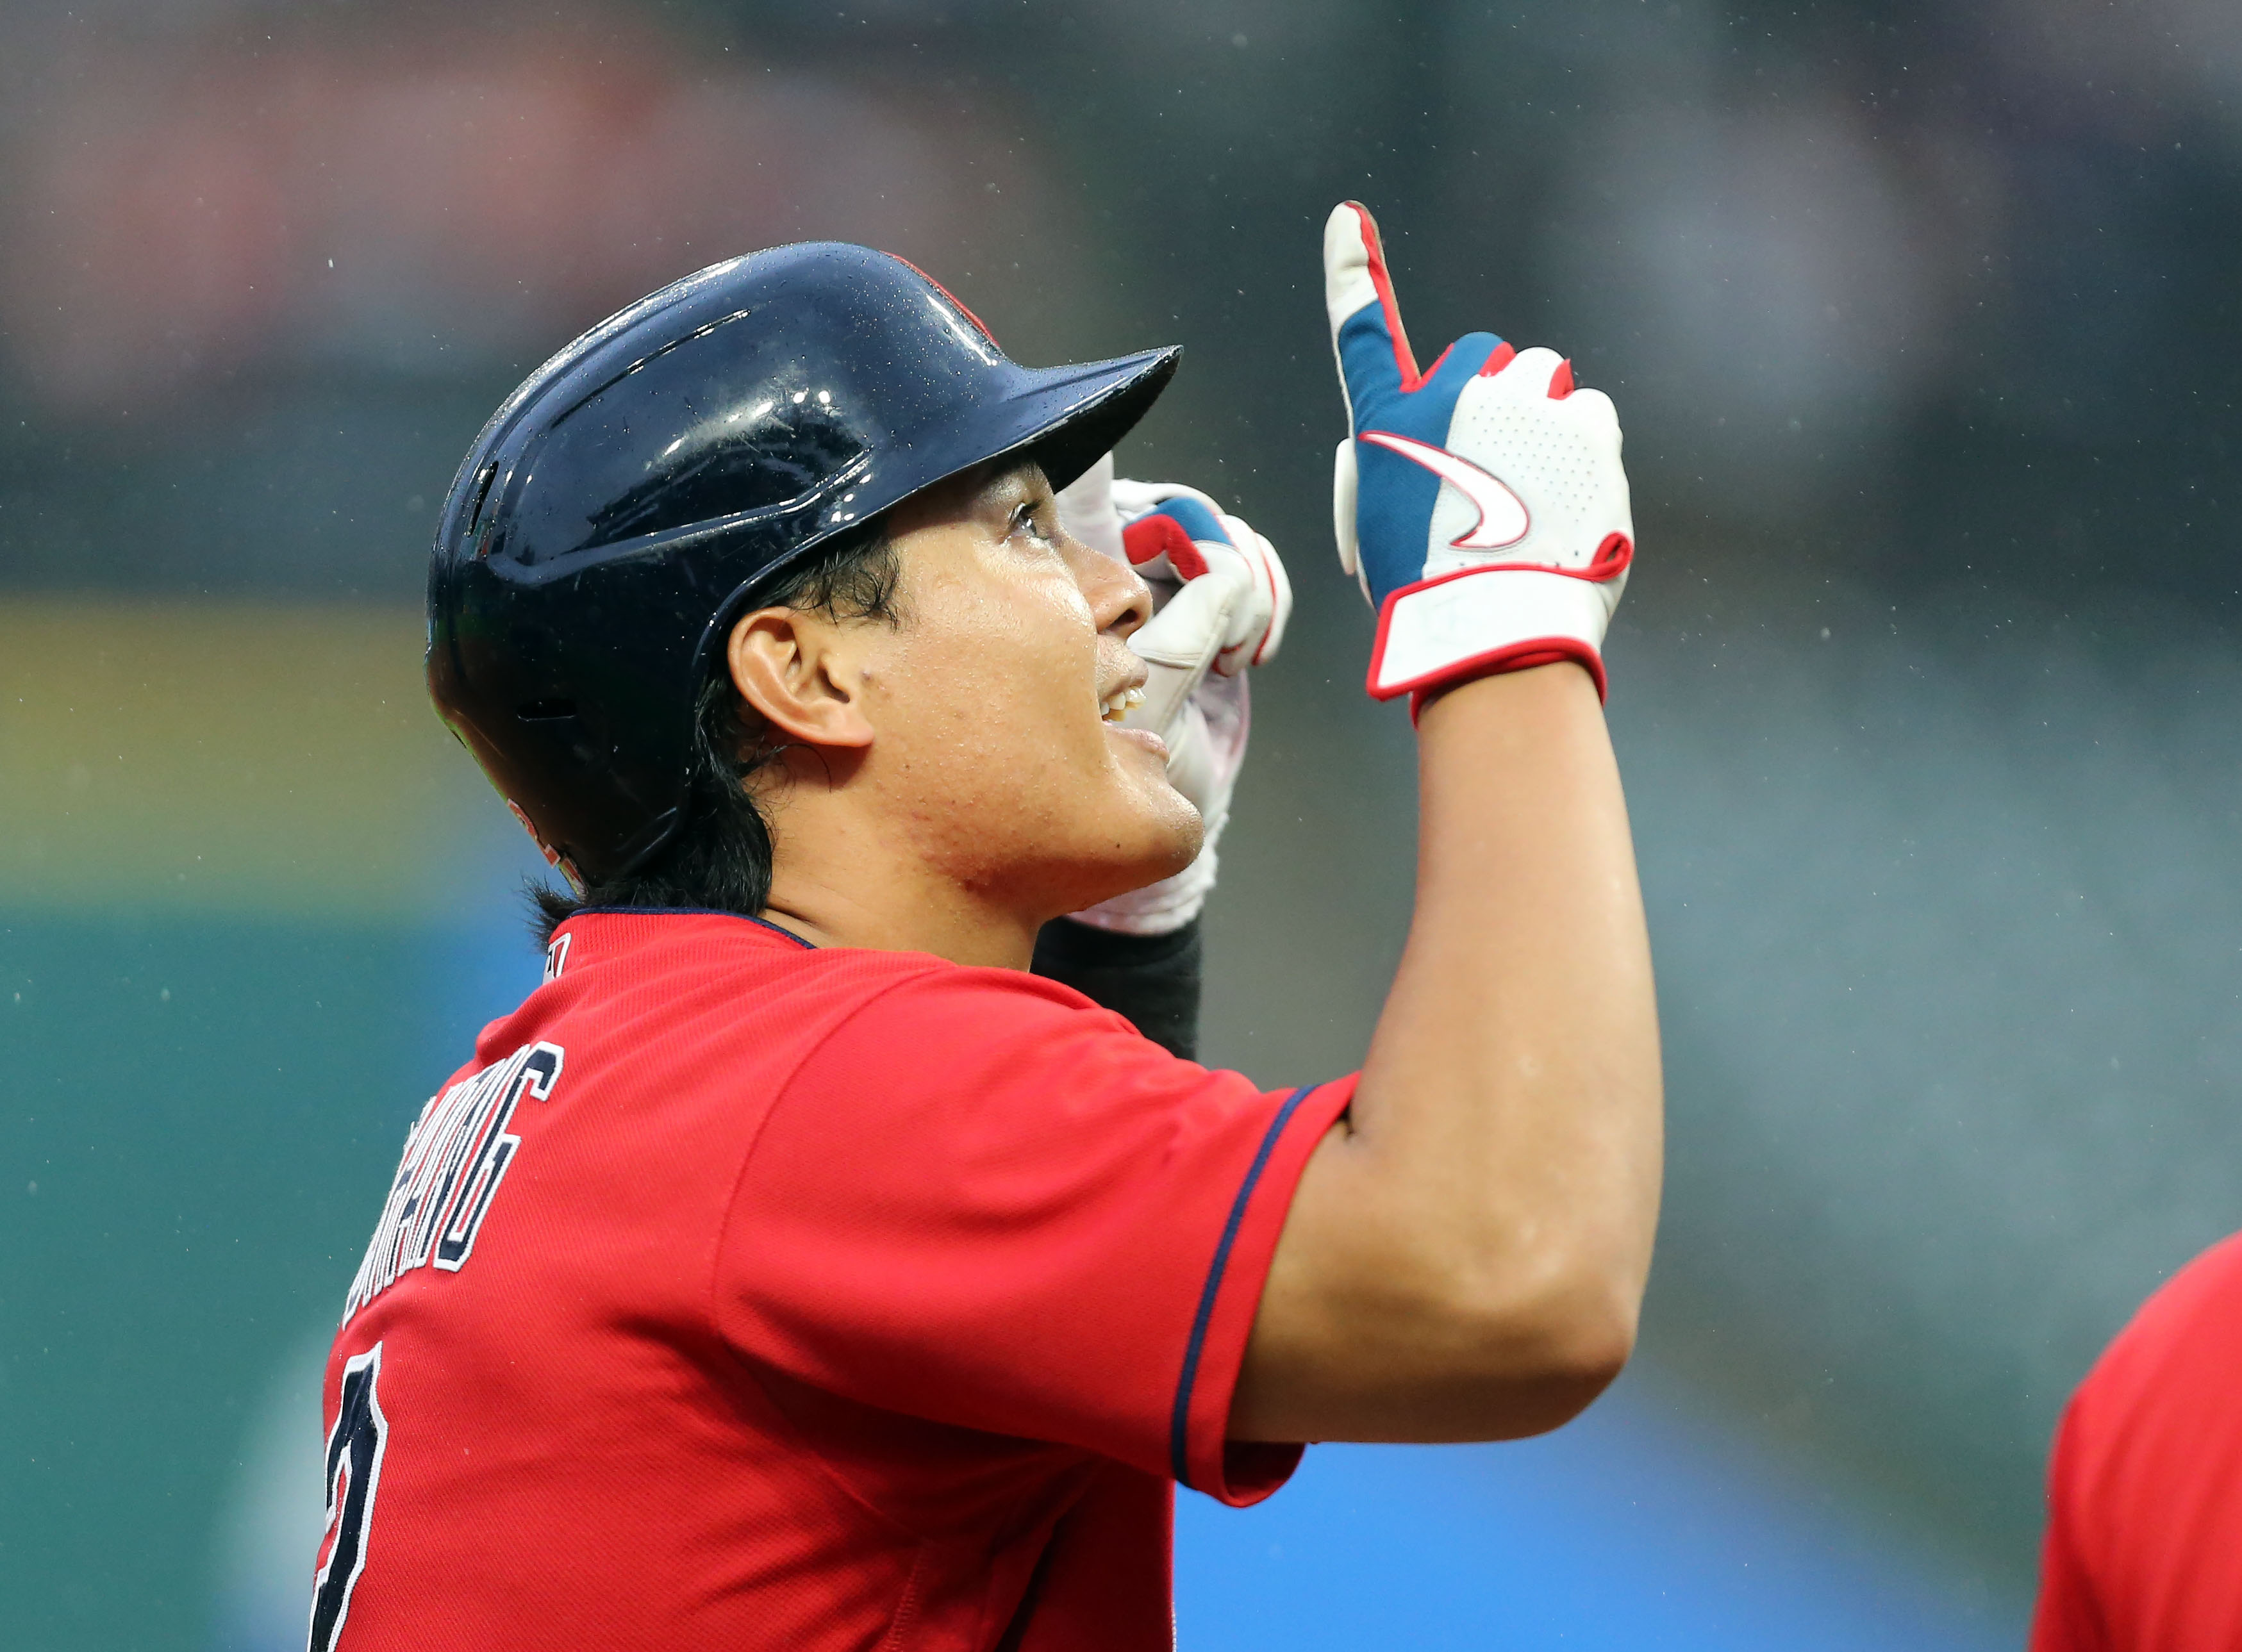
(1502,517)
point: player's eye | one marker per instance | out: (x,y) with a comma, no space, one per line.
(1029,522)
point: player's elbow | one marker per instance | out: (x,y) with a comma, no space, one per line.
(1578,1349)
(1536,1345)
(1432,1340)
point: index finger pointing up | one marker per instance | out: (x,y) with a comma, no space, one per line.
(1366,323)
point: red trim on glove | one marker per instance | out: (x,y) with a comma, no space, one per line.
(1157,534)
(1560,382)
(1404,358)
(1263,574)
(1513,656)
(1612,559)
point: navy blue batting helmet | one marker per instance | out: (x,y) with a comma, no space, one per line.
(629,500)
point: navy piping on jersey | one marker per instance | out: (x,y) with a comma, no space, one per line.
(687,911)
(1179,1425)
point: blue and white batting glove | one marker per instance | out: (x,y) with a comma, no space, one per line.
(1480,505)
(1221,599)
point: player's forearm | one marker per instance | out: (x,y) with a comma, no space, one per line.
(1512,1101)
(1468,1260)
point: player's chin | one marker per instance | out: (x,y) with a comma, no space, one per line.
(1138,840)
(1173,831)
(1135,830)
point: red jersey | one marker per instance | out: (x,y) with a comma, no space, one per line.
(2143,1549)
(742,1294)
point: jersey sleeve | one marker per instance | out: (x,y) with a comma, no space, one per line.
(986,1202)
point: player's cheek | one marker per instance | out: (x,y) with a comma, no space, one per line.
(1022,717)
(1059,653)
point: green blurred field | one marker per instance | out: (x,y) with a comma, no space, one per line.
(234,844)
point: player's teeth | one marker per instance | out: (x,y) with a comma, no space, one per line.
(1131,700)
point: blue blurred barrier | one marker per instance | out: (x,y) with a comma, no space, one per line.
(1646,1526)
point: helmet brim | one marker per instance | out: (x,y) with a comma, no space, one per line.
(1062,419)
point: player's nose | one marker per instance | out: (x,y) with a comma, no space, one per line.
(1119,600)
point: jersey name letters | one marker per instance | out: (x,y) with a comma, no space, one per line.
(454,1159)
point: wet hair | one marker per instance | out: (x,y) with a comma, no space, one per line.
(720,857)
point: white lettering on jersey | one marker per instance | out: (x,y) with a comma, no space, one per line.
(454,1159)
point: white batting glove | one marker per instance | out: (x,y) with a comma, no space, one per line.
(1481,505)
(1221,599)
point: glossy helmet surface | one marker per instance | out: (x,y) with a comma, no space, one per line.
(628,502)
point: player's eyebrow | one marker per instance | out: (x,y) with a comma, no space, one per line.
(1015,488)
(1022,475)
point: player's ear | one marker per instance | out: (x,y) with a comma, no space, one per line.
(788,667)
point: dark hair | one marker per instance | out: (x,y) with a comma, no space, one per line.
(720,857)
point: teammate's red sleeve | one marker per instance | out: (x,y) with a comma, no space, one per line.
(2144,1546)
(985,1202)
(2067,1617)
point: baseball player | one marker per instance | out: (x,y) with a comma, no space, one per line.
(2144,1488)
(795,1268)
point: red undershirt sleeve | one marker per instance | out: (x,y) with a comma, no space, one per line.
(986,1202)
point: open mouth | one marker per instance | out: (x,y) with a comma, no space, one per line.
(1120,703)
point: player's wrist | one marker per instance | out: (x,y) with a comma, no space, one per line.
(1456,709)
(1587,660)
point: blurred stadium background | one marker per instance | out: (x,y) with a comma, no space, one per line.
(1922,319)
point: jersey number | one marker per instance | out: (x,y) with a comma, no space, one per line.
(353,1475)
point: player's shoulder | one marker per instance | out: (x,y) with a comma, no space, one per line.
(914,1002)
(743,978)
(709,979)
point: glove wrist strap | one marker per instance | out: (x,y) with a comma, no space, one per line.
(1476,621)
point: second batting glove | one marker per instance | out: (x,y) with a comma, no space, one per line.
(1221,600)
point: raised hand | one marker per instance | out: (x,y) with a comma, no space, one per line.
(1222,599)
(1481,505)
(1223,593)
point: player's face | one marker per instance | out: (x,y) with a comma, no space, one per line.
(991,700)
